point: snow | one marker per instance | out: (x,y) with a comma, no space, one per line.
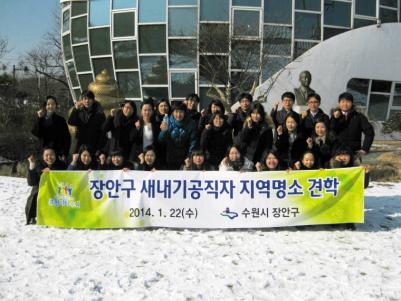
(314,263)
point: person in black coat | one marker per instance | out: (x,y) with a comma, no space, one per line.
(52,129)
(290,142)
(116,162)
(256,136)
(197,162)
(322,143)
(349,125)
(148,160)
(314,113)
(48,162)
(83,160)
(121,124)
(237,119)
(215,106)
(279,116)
(88,117)
(162,110)
(146,131)
(270,162)
(192,102)
(215,139)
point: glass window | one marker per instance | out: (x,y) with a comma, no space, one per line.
(125,56)
(277,40)
(363,22)
(182,22)
(152,11)
(182,53)
(155,93)
(79,30)
(182,84)
(67,47)
(247,2)
(128,82)
(100,41)
(120,4)
(99,12)
(301,47)
(359,88)
(246,23)
(388,15)
(152,39)
(182,2)
(390,3)
(214,38)
(77,93)
(81,57)
(365,7)
(243,82)
(273,65)
(154,70)
(85,80)
(378,107)
(308,5)
(337,13)
(397,95)
(381,86)
(66,20)
(73,74)
(79,8)
(278,11)
(329,32)
(124,24)
(216,10)
(307,26)
(245,55)
(213,69)
(206,95)
(103,63)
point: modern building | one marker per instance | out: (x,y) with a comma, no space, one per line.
(161,48)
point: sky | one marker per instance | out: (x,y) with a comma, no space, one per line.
(23,23)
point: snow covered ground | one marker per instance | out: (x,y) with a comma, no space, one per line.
(316,263)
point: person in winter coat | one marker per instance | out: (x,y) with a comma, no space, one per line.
(308,161)
(256,136)
(322,143)
(52,129)
(215,139)
(344,157)
(279,116)
(83,160)
(117,161)
(236,120)
(214,107)
(314,113)
(197,161)
(177,136)
(270,162)
(148,160)
(88,117)
(290,142)
(349,125)
(48,162)
(235,161)
(162,108)
(192,102)
(146,131)
(121,124)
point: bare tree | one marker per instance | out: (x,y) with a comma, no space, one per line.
(3,47)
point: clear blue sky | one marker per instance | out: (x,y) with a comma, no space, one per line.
(23,23)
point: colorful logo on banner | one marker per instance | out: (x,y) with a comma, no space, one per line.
(116,199)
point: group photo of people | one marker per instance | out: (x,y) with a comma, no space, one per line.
(178,136)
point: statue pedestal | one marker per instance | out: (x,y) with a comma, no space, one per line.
(299,109)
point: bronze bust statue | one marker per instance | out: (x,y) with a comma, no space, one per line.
(302,92)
